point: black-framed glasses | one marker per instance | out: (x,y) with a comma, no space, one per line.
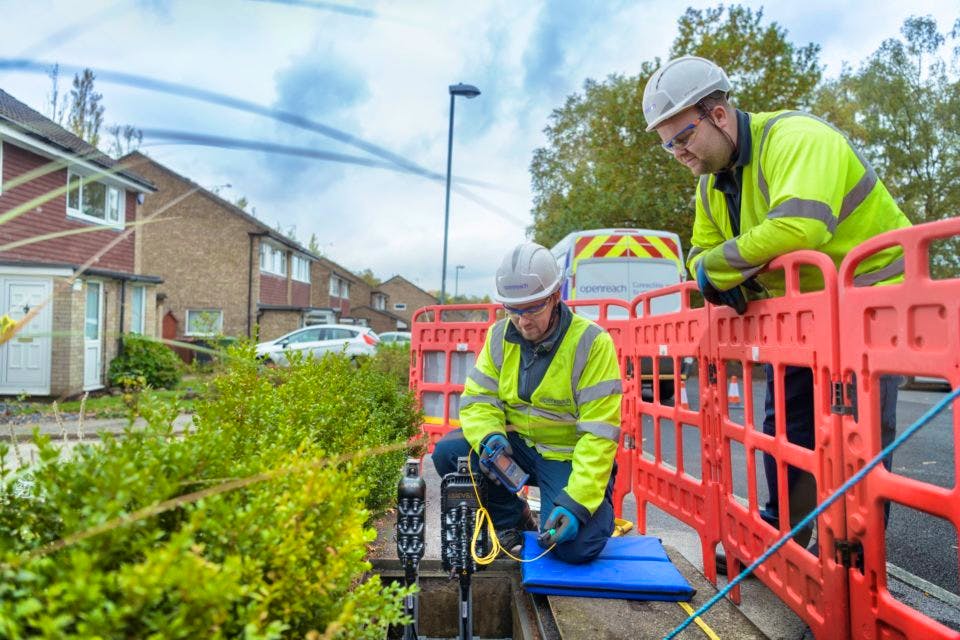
(531,312)
(682,140)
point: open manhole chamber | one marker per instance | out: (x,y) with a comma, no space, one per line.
(501,608)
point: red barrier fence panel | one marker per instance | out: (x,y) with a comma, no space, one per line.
(798,330)
(443,349)
(907,328)
(614,317)
(668,338)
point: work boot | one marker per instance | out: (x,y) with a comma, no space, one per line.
(511,540)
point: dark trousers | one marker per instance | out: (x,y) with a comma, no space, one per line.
(551,476)
(798,403)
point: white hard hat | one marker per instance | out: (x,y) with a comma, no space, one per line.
(679,84)
(527,274)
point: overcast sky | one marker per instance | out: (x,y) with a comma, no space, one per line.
(375,75)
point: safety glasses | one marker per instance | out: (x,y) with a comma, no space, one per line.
(530,312)
(682,140)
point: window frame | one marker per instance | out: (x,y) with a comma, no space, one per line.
(219,324)
(141,291)
(300,264)
(78,211)
(270,256)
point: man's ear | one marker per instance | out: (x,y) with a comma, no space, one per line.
(721,115)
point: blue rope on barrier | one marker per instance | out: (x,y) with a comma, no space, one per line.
(854,479)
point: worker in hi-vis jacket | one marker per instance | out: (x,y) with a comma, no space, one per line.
(546,388)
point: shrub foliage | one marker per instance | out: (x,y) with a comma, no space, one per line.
(144,359)
(281,556)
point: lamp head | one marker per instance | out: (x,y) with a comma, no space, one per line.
(466,90)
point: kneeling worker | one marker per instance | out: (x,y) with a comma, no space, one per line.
(546,388)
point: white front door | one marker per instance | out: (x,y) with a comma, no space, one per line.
(25,358)
(93,337)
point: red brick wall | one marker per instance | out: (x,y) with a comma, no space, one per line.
(300,294)
(273,289)
(51,216)
(340,304)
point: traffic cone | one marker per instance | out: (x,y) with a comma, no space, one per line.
(683,397)
(733,391)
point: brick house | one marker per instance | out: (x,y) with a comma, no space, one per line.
(368,306)
(88,284)
(225,272)
(405,298)
(333,293)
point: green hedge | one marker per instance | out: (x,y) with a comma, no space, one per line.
(281,557)
(144,361)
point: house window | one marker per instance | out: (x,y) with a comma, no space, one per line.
(399,306)
(92,200)
(204,322)
(339,288)
(137,308)
(301,269)
(1,166)
(379,302)
(273,259)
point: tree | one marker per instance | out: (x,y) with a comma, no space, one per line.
(367,276)
(56,104)
(314,244)
(124,139)
(601,169)
(86,112)
(902,108)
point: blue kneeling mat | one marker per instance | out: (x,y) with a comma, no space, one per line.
(629,568)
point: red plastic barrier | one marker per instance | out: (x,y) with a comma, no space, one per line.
(798,329)
(912,328)
(443,350)
(665,339)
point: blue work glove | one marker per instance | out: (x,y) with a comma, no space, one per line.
(487,447)
(731,298)
(561,526)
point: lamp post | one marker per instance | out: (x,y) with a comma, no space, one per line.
(468,91)
(456,280)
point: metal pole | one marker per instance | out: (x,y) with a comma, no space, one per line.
(446,208)
(456,281)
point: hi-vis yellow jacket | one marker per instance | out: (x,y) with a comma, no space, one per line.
(805,187)
(574,414)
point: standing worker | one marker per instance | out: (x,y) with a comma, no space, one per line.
(772,183)
(546,389)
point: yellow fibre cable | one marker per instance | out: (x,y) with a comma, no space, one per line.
(484,517)
(700,623)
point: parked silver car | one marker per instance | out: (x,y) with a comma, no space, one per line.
(317,340)
(395,337)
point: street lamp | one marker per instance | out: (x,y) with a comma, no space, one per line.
(468,91)
(456,280)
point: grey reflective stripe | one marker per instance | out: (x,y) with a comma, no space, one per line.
(731,252)
(544,413)
(854,198)
(895,268)
(860,191)
(600,429)
(496,342)
(694,252)
(481,379)
(549,447)
(705,198)
(466,401)
(809,209)
(582,354)
(599,390)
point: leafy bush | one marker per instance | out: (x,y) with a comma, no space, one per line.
(145,358)
(279,554)
(394,360)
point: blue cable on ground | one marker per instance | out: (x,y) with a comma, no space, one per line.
(854,479)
